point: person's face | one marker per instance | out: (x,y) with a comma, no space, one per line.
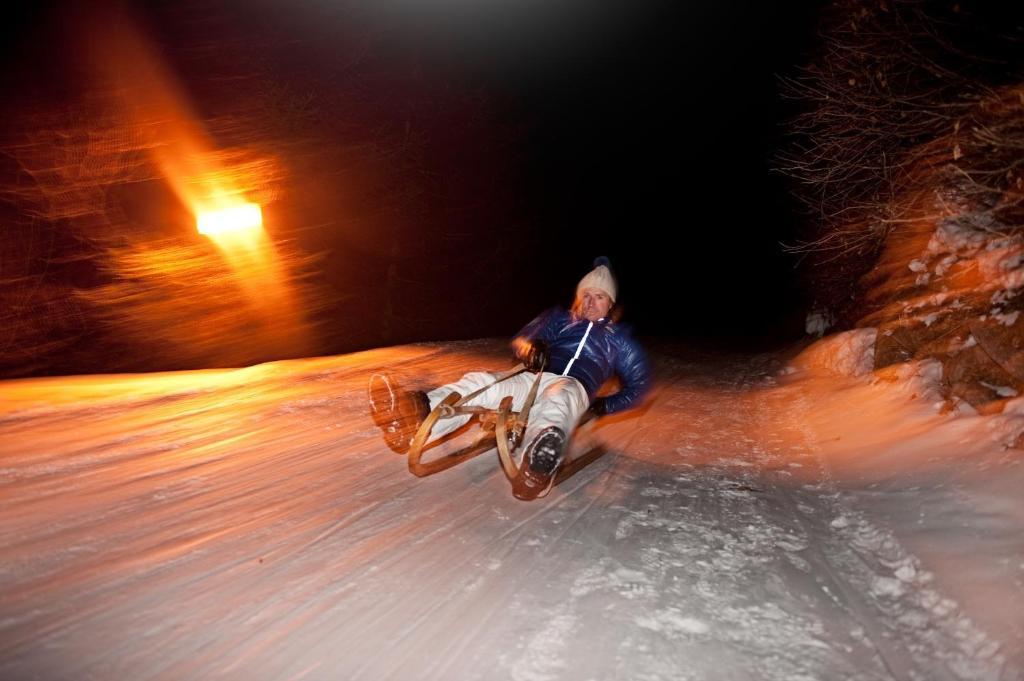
(593,303)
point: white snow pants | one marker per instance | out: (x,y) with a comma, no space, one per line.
(560,401)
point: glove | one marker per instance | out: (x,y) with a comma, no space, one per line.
(599,406)
(535,357)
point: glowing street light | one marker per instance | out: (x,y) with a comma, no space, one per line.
(245,217)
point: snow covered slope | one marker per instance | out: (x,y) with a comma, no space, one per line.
(746,524)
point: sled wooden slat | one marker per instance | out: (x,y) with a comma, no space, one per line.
(504,425)
(422,469)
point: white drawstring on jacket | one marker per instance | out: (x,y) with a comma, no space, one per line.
(579,348)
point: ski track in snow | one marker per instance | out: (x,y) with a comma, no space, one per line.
(252,525)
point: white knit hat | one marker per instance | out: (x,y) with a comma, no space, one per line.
(600,277)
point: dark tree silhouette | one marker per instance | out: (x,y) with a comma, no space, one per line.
(889,100)
(909,158)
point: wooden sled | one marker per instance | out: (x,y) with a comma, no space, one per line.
(502,428)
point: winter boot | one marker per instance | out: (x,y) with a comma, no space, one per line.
(540,464)
(397,412)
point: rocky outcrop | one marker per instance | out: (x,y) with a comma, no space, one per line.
(949,282)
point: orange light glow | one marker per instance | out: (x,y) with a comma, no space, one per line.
(243,217)
(223,188)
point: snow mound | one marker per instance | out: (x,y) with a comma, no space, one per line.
(850,353)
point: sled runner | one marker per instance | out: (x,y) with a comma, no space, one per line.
(503,428)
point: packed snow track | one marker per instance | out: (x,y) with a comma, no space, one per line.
(750,522)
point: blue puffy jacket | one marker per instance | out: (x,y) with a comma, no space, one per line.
(591,352)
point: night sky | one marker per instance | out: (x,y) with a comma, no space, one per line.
(534,137)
